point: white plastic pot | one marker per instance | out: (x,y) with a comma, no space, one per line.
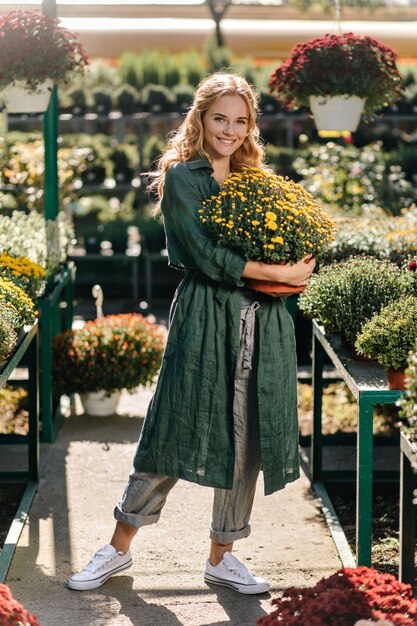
(337,112)
(17,99)
(98,403)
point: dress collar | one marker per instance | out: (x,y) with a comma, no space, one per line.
(199,162)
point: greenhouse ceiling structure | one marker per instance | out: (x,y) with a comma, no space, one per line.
(266,29)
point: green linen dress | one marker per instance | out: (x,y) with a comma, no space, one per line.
(188,431)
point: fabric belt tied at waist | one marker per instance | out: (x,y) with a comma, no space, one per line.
(249,329)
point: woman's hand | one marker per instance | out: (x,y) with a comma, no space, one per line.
(297,274)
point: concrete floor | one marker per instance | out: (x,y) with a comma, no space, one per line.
(83,475)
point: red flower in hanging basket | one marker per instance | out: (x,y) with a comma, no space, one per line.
(35,47)
(338,65)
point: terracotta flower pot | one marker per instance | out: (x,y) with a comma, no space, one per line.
(281,290)
(396,378)
(272,288)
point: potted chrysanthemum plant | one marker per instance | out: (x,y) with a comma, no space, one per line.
(104,357)
(36,52)
(267,218)
(339,77)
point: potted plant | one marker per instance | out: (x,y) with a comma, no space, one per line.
(156,98)
(128,99)
(389,336)
(107,355)
(275,221)
(22,307)
(36,52)
(348,595)
(8,336)
(24,273)
(342,297)
(333,69)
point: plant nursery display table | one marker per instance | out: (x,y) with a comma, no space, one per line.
(408,484)
(368,383)
(27,349)
(59,295)
(105,276)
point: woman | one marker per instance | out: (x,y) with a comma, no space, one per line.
(225,401)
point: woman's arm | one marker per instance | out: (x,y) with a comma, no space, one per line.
(295,275)
(180,205)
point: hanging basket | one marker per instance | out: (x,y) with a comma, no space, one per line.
(98,403)
(18,100)
(337,112)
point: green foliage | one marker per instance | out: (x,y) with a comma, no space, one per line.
(127,99)
(156,98)
(172,70)
(192,67)
(389,336)
(374,234)
(128,71)
(246,68)
(152,150)
(354,179)
(8,336)
(102,100)
(282,160)
(22,307)
(268,104)
(8,203)
(75,100)
(183,96)
(343,297)
(148,67)
(360,236)
(99,74)
(408,405)
(217,59)
(30,235)
(109,353)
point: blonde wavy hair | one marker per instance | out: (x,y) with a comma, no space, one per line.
(188,140)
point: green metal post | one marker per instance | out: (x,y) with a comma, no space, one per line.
(407,521)
(33,393)
(46,372)
(69,300)
(364,482)
(50,132)
(317,436)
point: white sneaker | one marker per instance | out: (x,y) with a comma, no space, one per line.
(230,572)
(105,563)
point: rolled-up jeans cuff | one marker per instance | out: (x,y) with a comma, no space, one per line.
(226,537)
(133,519)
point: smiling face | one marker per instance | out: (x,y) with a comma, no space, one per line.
(225,126)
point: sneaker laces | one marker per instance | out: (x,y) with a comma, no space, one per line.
(94,566)
(233,565)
